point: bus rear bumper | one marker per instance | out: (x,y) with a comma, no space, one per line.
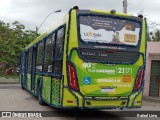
(105,103)
(75,100)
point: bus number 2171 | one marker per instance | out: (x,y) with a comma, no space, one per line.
(124,70)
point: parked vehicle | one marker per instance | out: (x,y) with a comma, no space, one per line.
(9,71)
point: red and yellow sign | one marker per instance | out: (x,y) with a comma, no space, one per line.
(127,78)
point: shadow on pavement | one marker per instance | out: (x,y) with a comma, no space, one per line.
(87,114)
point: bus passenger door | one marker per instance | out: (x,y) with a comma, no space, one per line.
(57,66)
(33,68)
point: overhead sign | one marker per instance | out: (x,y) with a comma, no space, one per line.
(109,30)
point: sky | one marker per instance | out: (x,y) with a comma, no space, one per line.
(31,13)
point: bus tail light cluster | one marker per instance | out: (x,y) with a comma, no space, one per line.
(139,79)
(72,78)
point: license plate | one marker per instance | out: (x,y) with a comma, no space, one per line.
(109,90)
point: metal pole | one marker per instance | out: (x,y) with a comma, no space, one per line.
(37,28)
(125,6)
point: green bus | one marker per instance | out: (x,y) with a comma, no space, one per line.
(92,59)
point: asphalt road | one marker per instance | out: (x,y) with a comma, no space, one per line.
(13,98)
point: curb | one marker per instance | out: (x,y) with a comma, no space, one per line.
(9,83)
(152,99)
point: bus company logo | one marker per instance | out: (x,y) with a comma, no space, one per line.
(91,34)
(88,65)
(87,80)
(107,71)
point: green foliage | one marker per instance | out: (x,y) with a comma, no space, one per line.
(13,38)
(156,36)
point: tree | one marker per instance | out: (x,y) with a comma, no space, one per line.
(156,36)
(13,38)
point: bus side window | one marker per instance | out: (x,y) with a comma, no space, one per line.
(59,43)
(59,51)
(49,53)
(29,61)
(39,57)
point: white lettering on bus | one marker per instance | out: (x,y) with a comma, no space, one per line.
(102,71)
(109,80)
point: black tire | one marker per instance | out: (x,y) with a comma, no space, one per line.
(41,102)
(22,83)
(22,87)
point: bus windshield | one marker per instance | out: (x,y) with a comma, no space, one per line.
(107,29)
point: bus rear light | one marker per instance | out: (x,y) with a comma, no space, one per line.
(138,101)
(139,79)
(109,51)
(72,78)
(69,101)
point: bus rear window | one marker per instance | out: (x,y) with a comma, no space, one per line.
(111,30)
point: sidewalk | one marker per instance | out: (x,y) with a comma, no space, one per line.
(152,99)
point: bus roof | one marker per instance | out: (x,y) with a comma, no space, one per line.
(108,12)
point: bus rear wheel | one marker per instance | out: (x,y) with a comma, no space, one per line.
(41,102)
(22,87)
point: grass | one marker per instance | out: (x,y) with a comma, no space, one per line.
(8,79)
